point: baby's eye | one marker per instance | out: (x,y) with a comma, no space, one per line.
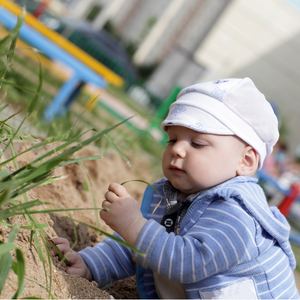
(196,145)
(171,141)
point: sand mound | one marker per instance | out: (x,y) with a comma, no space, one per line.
(73,192)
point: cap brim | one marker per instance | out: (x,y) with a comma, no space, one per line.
(195,119)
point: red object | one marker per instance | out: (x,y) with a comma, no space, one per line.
(286,203)
(41,8)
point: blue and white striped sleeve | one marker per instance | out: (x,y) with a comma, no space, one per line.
(224,236)
(109,261)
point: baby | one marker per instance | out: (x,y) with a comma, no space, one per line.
(213,236)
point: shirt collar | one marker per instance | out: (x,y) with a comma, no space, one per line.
(173,196)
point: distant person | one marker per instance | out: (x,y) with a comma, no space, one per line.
(283,161)
(213,236)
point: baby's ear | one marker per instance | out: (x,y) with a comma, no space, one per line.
(249,162)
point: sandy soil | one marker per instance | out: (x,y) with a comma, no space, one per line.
(72,193)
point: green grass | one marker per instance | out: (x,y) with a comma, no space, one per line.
(137,139)
(16,183)
(33,65)
(131,140)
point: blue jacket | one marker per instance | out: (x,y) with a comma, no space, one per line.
(230,244)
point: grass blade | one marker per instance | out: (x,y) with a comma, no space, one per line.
(62,257)
(19,268)
(12,48)
(13,233)
(120,241)
(40,252)
(4,173)
(25,189)
(59,158)
(11,116)
(93,195)
(38,247)
(42,168)
(3,52)
(5,266)
(45,288)
(77,160)
(39,145)
(4,248)
(5,196)
(14,32)
(36,97)
(158,204)
(117,149)
(43,211)
(8,82)
(6,259)
(33,102)
(6,213)
(44,237)
(38,226)
(143,181)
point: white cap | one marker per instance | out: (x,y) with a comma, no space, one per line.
(227,107)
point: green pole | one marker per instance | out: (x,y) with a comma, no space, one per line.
(164,107)
(163,111)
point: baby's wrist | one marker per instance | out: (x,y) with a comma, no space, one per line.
(88,274)
(132,233)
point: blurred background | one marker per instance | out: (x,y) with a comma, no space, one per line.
(120,58)
(157,45)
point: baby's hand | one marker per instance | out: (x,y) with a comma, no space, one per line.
(78,266)
(124,215)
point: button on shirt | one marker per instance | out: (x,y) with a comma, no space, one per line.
(177,204)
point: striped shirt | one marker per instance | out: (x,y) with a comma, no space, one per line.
(229,240)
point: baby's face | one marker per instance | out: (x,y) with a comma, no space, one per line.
(194,161)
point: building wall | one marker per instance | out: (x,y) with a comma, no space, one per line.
(132,20)
(203,19)
(186,29)
(260,40)
(173,32)
(177,69)
(178,66)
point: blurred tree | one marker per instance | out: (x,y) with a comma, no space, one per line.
(94,13)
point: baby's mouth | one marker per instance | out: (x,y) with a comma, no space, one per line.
(176,170)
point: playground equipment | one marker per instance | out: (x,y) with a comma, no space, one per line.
(287,202)
(85,68)
(290,196)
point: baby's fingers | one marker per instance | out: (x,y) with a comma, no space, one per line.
(56,242)
(60,240)
(118,189)
(69,254)
(110,197)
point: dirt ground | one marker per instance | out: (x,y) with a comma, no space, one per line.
(72,192)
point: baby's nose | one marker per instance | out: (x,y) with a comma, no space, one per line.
(179,149)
